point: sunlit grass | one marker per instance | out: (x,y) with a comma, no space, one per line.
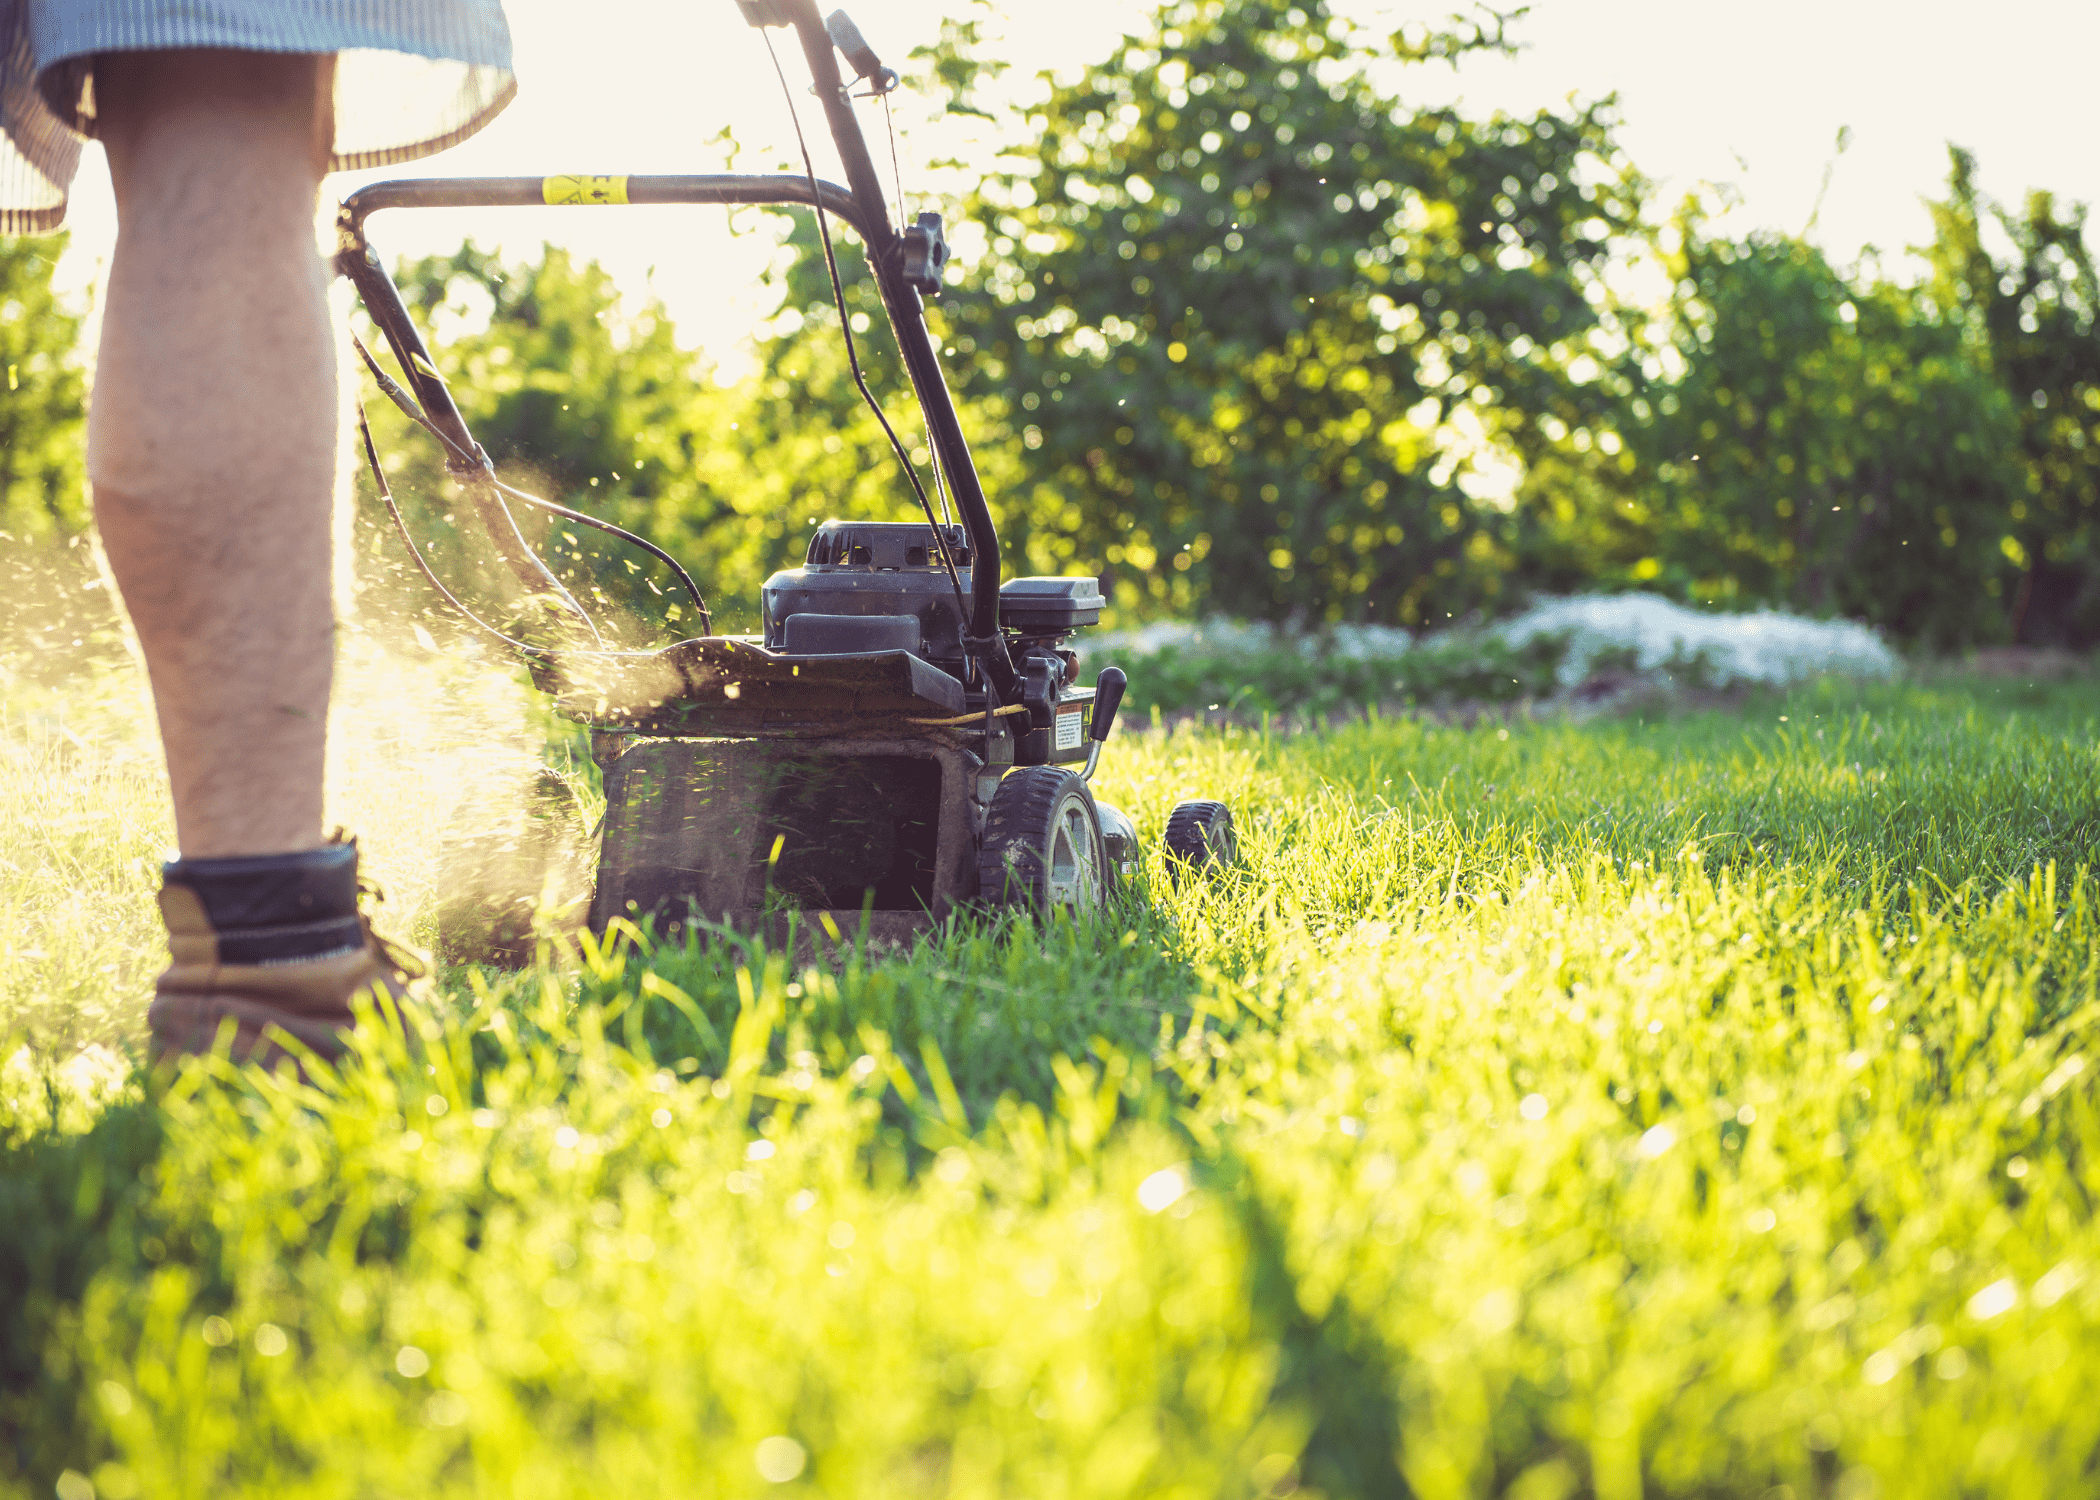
(1697,1106)
(83,822)
(421,747)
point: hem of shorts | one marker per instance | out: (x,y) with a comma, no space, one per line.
(435,52)
(71,120)
(390,156)
(32,220)
(27,221)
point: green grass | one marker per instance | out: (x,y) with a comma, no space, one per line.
(1703,1106)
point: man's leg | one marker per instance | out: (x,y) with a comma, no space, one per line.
(211,445)
(212,433)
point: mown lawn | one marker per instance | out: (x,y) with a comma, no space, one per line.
(1707,1106)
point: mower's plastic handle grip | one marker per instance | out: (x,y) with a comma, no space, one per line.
(1108,697)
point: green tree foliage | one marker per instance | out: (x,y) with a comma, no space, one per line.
(1234,298)
(820,451)
(1788,436)
(599,409)
(581,403)
(55,615)
(2034,321)
(43,413)
(1237,294)
(1242,315)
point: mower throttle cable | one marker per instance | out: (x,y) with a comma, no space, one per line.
(524,648)
(409,409)
(838,299)
(889,121)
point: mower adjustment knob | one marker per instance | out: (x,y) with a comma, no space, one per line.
(1108,697)
(925,255)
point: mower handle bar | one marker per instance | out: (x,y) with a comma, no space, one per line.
(732,188)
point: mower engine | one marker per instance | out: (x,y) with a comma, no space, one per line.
(847,762)
(869,586)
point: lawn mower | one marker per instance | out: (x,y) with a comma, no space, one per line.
(907,737)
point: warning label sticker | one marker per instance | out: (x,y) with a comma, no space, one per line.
(1068,730)
(559,190)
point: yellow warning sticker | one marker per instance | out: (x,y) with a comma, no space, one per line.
(584,189)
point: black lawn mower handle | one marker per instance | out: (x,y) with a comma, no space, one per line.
(860,203)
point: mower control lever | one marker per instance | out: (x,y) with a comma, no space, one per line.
(1108,697)
(847,38)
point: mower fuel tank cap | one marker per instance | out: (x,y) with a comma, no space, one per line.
(1049,606)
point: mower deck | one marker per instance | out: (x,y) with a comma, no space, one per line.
(741,831)
(732,685)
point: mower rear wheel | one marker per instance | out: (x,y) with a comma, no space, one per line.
(1042,849)
(1200,833)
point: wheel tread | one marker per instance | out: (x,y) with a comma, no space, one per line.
(1197,829)
(1008,864)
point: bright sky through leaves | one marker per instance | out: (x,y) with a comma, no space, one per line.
(1751,96)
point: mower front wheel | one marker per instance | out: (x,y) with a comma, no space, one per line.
(1200,836)
(1042,849)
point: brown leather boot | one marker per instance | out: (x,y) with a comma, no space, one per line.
(269,941)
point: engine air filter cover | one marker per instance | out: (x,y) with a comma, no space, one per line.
(878,569)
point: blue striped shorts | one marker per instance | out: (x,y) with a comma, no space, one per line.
(412,76)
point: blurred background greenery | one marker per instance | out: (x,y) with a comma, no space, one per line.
(1250,334)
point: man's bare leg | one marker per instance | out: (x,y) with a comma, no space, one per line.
(212,432)
(211,444)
